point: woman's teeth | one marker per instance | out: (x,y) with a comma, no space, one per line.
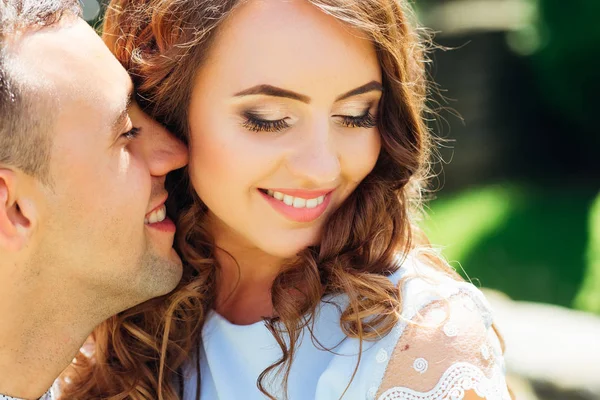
(158,215)
(296,202)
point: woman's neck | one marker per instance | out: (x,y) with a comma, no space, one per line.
(244,284)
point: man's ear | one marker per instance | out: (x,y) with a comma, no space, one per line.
(15,224)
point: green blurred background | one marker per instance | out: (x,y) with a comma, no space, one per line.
(516,205)
(519,206)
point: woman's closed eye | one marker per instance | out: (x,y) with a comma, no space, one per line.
(255,123)
(367,120)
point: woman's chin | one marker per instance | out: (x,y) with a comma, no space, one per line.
(287,250)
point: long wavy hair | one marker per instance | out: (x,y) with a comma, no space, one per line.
(139,353)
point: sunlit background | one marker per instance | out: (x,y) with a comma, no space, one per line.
(517,206)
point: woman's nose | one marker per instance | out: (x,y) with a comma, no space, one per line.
(316,159)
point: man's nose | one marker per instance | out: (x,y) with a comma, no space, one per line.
(165,153)
(316,159)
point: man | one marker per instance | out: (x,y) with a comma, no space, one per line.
(83,233)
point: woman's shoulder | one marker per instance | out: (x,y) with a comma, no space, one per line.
(444,344)
(425,280)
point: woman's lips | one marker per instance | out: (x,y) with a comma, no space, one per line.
(298,205)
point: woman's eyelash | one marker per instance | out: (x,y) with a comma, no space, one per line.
(364,121)
(132,134)
(255,124)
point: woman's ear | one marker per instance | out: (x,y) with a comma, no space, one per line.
(15,223)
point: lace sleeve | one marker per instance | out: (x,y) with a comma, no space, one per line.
(449,351)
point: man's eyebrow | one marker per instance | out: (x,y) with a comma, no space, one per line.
(124,114)
(366,88)
(268,90)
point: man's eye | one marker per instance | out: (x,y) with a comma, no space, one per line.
(132,134)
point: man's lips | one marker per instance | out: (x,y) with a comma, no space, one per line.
(158,206)
(158,219)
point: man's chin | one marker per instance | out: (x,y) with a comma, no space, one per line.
(173,275)
(161,274)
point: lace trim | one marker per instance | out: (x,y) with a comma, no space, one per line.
(46,396)
(457,379)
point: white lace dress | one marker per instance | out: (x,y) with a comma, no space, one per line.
(47,396)
(443,348)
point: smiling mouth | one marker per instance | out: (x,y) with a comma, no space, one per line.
(298,205)
(156,216)
(296,202)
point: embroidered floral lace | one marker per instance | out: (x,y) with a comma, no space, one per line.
(449,349)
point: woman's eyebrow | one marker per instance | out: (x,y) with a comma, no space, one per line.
(268,90)
(368,87)
(274,91)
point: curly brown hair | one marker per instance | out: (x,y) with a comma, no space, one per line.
(162,43)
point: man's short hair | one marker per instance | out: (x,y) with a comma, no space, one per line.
(25,116)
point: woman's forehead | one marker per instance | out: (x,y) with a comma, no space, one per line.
(291,42)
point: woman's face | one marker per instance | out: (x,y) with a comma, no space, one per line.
(282,124)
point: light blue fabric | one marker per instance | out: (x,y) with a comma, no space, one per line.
(232,356)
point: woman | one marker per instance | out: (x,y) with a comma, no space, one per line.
(307,277)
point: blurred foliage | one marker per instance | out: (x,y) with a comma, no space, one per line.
(486,208)
(96,23)
(528,242)
(567,63)
(588,298)
(529,123)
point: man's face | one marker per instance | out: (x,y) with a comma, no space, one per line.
(98,216)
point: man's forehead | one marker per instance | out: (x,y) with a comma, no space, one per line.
(71,60)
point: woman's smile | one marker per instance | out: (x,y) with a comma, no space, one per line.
(298,205)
